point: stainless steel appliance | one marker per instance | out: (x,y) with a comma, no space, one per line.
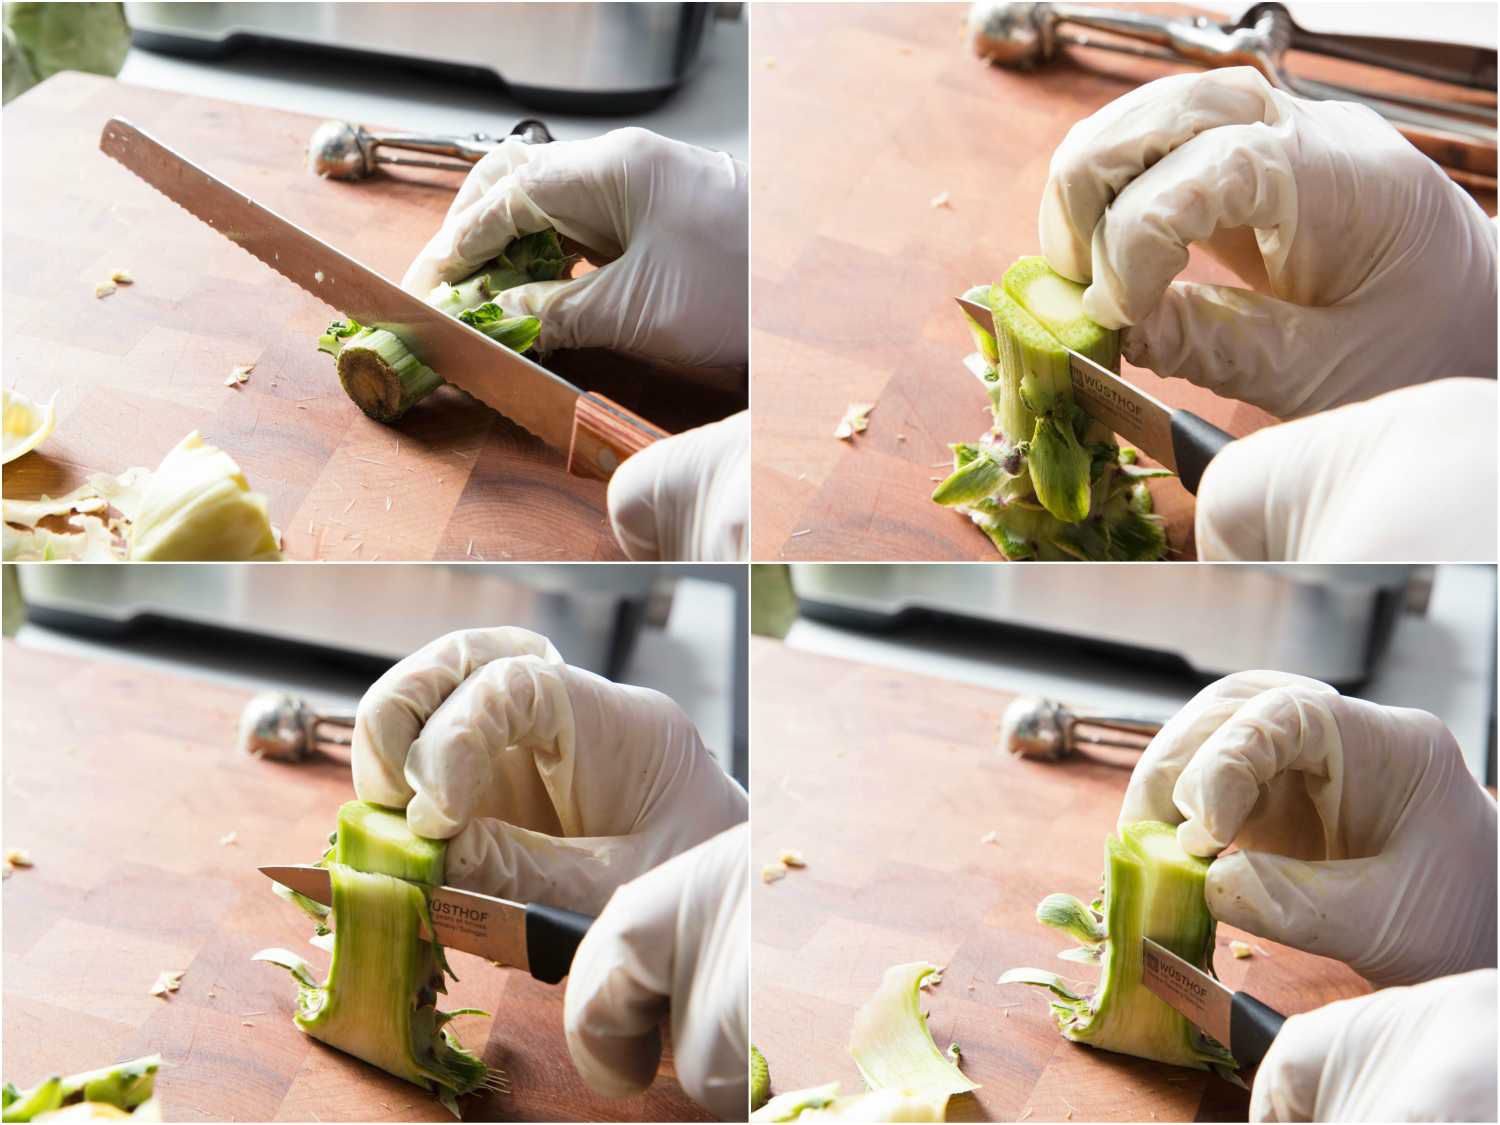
(1331,623)
(574,58)
(370,614)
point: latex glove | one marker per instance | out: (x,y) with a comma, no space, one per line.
(675,219)
(678,939)
(552,784)
(1410,475)
(687,497)
(1371,269)
(1425,1053)
(1361,833)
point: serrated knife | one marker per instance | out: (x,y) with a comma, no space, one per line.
(1179,439)
(1235,1019)
(592,432)
(539,939)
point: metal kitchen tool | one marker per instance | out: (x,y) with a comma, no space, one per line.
(1458,134)
(1179,439)
(1033,727)
(1235,1019)
(342,150)
(285,728)
(595,434)
(540,939)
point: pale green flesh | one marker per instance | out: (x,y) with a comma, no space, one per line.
(1064,493)
(379,1001)
(1152,889)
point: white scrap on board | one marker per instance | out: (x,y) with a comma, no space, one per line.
(791,857)
(168,981)
(855,421)
(1241,949)
(121,277)
(771,872)
(229,838)
(18,857)
(941,199)
(104,289)
(990,838)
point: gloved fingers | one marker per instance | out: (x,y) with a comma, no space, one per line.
(500,745)
(673,939)
(1287,359)
(392,712)
(569,311)
(1106,151)
(1325,907)
(564,751)
(1149,793)
(496,165)
(1288,728)
(686,497)
(1286,1083)
(1326,488)
(573,873)
(1233,176)
(472,236)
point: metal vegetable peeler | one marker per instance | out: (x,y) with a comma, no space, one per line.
(1033,727)
(341,150)
(1458,134)
(282,727)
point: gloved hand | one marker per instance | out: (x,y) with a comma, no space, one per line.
(675,219)
(686,497)
(1410,475)
(677,937)
(1361,833)
(552,784)
(1370,268)
(1425,1053)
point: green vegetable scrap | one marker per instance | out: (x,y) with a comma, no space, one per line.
(379,1001)
(383,377)
(1046,481)
(760,1078)
(123,1090)
(1152,888)
(42,39)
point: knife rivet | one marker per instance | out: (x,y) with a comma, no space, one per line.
(608,461)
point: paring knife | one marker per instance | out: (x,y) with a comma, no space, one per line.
(539,939)
(593,433)
(1179,439)
(1236,1019)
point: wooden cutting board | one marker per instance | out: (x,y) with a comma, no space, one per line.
(863,115)
(134,372)
(122,782)
(888,782)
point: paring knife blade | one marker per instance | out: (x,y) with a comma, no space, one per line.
(539,939)
(522,390)
(1236,1019)
(1179,439)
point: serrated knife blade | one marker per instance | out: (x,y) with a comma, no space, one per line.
(524,391)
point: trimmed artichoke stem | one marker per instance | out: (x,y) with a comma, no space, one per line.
(382,377)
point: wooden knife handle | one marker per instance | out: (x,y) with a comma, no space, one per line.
(604,434)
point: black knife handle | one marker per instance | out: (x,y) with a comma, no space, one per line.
(1252,1026)
(1195,443)
(552,937)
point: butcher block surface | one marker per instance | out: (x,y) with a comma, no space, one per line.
(136,371)
(123,782)
(890,783)
(864,115)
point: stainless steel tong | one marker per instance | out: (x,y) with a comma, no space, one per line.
(1033,727)
(1458,133)
(341,150)
(280,726)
